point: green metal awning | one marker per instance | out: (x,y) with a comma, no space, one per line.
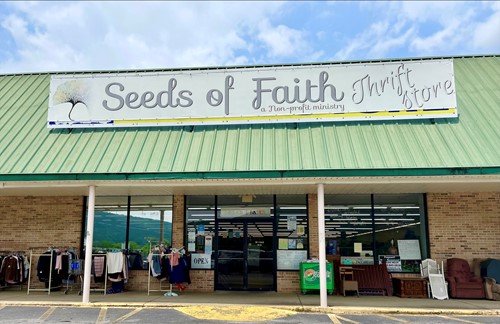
(467,145)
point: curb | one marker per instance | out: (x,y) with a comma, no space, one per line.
(299,309)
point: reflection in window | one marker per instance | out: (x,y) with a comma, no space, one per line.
(149,222)
(110,223)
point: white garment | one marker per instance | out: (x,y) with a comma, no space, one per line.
(115,262)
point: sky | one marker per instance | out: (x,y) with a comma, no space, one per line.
(55,36)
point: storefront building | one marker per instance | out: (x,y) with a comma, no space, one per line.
(232,164)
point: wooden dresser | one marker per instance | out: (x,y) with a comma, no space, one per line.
(410,287)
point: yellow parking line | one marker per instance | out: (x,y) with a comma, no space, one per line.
(102,315)
(47,314)
(124,317)
(395,318)
(334,319)
(347,320)
(458,319)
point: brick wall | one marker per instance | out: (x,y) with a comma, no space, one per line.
(464,225)
(202,280)
(36,223)
(138,281)
(288,281)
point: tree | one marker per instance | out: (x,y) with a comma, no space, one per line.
(74,92)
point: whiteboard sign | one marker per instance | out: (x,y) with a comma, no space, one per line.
(409,250)
(291,259)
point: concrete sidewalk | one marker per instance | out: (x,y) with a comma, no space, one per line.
(291,301)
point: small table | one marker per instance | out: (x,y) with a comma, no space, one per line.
(347,280)
(410,287)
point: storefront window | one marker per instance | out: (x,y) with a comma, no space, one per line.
(369,229)
(400,233)
(150,224)
(110,223)
(132,224)
(348,228)
(292,232)
(200,229)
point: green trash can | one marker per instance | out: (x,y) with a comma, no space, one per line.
(309,277)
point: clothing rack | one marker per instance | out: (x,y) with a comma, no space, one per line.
(39,255)
(104,289)
(117,273)
(168,292)
(5,254)
(157,247)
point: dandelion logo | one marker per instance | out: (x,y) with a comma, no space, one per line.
(74,92)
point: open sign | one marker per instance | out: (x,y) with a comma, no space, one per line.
(201,261)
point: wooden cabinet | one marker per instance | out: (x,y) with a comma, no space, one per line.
(410,287)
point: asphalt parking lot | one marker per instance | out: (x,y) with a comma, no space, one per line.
(212,314)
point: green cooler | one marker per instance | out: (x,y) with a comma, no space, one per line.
(309,277)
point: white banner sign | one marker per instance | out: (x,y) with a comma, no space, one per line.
(336,92)
(245,212)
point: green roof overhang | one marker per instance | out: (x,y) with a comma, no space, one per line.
(255,174)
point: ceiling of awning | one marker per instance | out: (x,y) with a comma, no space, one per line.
(347,185)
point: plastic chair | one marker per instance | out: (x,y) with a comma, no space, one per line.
(436,284)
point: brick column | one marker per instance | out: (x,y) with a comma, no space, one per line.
(178,221)
(313,226)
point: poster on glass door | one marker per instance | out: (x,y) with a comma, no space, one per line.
(208,244)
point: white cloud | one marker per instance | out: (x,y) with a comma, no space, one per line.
(384,45)
(35,46)
(92,35)
(426,28)
(281,40)
(423,11)
(486,35)
(377,41)
(448,38)
(115,35)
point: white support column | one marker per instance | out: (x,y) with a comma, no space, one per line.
(88,245)
(322,249)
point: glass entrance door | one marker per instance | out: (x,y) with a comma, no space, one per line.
(245,255)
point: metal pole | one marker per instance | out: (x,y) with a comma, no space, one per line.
(88,245)
(322,249)
(162,224)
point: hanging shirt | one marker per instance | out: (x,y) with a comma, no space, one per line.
(115,262)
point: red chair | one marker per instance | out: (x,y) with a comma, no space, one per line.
(461,281)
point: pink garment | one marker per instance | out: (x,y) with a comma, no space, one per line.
(58,266)
(99,265)
(174,259)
